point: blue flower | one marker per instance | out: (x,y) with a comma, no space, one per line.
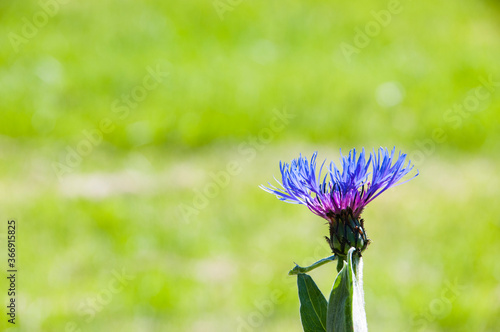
(347,190)
(341,195)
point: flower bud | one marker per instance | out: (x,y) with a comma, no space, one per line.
(346,231)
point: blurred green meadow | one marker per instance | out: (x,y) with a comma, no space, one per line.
(134,136)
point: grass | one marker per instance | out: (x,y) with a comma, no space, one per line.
(117,209)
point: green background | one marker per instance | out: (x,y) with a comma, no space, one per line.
(133,203)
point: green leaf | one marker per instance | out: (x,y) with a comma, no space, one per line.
(346,310)
(299,269)
(358,305)
(312,305)
(339,315)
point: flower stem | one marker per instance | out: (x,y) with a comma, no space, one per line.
(340,264)
(298,269)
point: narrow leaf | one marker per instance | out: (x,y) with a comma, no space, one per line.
(358,306)
(312,305)
(339,312)
(346,307)
(299,269)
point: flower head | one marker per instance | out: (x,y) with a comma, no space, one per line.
(341,195)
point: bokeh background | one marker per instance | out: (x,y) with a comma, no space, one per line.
(134,135)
